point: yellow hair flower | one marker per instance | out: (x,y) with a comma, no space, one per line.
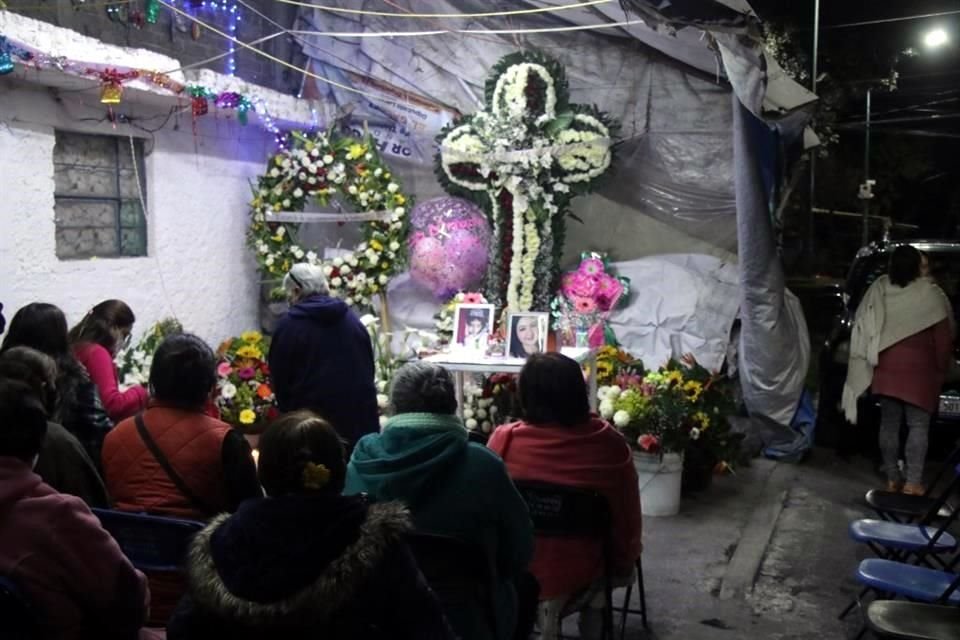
(251,337)
(315,476)
(247,416)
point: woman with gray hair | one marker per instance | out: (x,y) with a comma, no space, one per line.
(321,357)
(453,487)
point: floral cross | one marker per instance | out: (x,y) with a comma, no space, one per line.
(523,158)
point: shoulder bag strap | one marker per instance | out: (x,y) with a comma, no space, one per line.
(167,468)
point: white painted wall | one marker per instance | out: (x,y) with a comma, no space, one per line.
(198,267)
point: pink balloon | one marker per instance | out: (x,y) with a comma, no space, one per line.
(449,245)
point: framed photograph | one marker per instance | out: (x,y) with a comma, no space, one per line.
(528,334)
(472,326)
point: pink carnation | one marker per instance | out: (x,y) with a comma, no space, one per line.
(224,369)
(473,298)
(584,305)
(578,285)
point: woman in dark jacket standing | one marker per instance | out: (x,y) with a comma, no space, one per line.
(306,562)
(43,327)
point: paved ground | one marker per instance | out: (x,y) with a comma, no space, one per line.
(763,554)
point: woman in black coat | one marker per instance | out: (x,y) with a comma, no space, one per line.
(306,561)
(43,327)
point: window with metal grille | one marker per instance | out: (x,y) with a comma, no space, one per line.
(97,204)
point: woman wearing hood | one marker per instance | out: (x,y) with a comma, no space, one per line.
(900,348)
(321,357)
(306,561)
(560,442)
(453,487)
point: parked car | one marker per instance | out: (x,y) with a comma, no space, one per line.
(870,263)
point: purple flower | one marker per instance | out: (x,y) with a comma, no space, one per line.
(246,373)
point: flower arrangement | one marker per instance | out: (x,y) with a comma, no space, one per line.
(616,366)
(667,410)
(321,167)
(489,401)
(523,158)
(386,361)
(244,394)
(443,320)
(587,297)
(133,364)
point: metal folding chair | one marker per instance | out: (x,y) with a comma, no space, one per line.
(895,620)
(899,507)
(572,512)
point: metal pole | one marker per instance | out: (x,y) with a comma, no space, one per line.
(811,230)
(866,175)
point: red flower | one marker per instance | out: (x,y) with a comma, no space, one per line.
(649,443)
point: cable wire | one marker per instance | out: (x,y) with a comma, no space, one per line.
(483,14)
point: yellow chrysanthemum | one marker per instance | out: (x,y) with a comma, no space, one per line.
(247,416)
(356,151)
(249,351)
(399,199)
(251,337)
(375,245)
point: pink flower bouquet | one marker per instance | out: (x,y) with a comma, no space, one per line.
(587,298)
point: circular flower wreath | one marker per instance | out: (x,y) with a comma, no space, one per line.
(321,167)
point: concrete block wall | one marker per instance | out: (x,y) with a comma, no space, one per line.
(176,40)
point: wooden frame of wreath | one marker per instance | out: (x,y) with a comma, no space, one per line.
(318,167)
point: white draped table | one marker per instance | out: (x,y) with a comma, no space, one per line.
(461,362)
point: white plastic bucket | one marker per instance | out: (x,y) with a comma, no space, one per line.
(659,479)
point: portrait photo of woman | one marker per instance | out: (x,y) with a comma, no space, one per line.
(528,334)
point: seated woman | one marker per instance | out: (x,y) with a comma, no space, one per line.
(306,562)
(175,460)
(43,327)
(453,487)
(559,442)
(52,546)
(102,333)
(63,463)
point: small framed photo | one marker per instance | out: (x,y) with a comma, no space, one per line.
(472,326)
(528,334)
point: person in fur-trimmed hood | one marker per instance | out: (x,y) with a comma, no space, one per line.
(306,562)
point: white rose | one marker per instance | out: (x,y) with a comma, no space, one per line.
(349,301)
(481,413)
(311,180)
(614,392)
(327,270)
(621,418)
(378,172)
(486,426)
(368,157)
(269,261)
(336,282)
(274,172)
(352,189)
(383,279)
(298,193)
(302,176)
(337,262)
(606,409)
(328,159)
(602,391)
(263,192)
(394,246)
(286,202)
(467,413)
(352,260)
(228,390)
(345,269)
(263,248)
(392,187)
(471,424)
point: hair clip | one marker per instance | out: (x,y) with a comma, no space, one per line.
(315,476)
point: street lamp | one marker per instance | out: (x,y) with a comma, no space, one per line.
(935,38)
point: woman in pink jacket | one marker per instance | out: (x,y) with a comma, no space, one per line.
(70,569)
(560,442)
(102,333)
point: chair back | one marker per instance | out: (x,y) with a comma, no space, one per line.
(18,620)
(459,572)
(564,511)
(152,543)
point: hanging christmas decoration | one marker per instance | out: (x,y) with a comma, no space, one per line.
(8,51)
(111,81)
(153,11)
(200,106)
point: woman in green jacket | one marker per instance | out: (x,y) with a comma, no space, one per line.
(453,487)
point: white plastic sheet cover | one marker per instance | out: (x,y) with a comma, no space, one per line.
(675,160)
(691,297)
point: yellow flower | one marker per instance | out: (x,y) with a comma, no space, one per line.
(247,416)
(702,419)
(251,337)
(315,476)
(399,199)
(249,351)
(276,206)
(356,151)
(375,245)
(693,389)
(673,377)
